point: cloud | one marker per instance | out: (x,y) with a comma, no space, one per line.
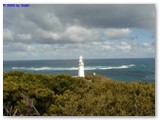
(15,47)
(70,35)
(124,47)
(117,33)
(46,35)
(109,15)
(24,36)
(61,24)
(8,35)
(148,47)
(106,47)
(80,34)
(44,19)
(97,30)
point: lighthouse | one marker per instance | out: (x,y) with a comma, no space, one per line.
(81,67)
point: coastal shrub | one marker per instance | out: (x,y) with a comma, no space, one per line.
(28,94)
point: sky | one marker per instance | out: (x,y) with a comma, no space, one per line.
(94,31)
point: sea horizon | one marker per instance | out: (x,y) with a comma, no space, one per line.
(78,58)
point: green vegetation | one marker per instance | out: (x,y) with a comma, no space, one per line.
(28,94)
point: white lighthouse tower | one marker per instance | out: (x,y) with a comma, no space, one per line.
(81,67)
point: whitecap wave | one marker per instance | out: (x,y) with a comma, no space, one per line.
(43,68)
(117,67)
(73,68)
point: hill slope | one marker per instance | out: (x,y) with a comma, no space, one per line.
(63,95)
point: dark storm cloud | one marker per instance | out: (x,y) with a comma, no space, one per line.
(109,15)
(112,16)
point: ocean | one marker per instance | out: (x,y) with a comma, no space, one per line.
(117,69)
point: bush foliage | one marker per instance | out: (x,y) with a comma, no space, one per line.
(28,94)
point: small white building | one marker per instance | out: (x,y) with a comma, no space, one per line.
(81,67)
